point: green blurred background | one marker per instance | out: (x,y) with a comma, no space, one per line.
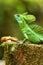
(8,24)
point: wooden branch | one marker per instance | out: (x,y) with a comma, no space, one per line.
(24,54)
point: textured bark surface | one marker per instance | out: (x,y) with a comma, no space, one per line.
(24,54)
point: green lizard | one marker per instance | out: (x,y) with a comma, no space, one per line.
(32,32)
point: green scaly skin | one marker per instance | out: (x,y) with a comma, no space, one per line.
(29,33)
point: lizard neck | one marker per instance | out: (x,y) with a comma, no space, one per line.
(23,25)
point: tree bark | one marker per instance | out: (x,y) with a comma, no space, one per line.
(24,54)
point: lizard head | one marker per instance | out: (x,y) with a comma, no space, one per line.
(25,17)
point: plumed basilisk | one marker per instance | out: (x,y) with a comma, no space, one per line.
(32,32)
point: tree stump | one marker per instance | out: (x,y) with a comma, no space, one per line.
(23,54)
